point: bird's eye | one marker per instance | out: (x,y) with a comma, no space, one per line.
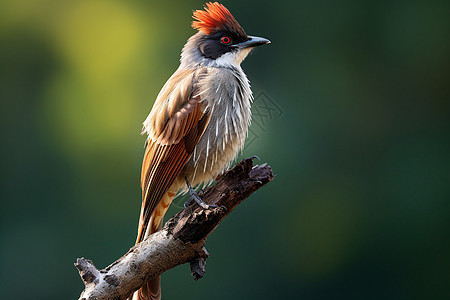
(225,40)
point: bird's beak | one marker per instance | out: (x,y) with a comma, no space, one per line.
(252,42)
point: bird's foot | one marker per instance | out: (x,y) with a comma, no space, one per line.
(200,194)
(195,197)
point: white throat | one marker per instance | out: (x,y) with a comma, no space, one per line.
(233,58)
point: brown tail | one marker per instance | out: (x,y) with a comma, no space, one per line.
(152,289)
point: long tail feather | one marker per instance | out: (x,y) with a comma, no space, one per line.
(152,289)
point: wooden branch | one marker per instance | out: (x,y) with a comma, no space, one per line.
(180,241)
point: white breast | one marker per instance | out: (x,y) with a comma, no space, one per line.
(227,97)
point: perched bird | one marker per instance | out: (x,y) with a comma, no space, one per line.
(199,121)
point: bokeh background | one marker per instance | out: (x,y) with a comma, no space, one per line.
(351,111)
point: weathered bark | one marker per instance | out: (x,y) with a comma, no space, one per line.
(180,241)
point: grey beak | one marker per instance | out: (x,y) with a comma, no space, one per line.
(253,42)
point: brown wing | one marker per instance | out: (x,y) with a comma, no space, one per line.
(175,126)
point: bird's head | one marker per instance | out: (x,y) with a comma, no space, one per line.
(220,40)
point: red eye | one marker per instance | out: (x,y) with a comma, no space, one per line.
(225,40)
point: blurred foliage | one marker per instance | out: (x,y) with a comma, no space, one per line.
(360,205)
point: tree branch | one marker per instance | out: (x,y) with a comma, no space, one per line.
(180,241)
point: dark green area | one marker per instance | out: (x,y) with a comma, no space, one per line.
(351,110)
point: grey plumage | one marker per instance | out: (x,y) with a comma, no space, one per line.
(226,96)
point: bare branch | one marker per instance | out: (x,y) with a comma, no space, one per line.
(180,241)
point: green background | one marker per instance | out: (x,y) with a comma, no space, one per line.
(353,118)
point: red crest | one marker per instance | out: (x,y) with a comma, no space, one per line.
(216,17)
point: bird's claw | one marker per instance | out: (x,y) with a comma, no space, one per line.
(255,156)
(187,203)
(195,197)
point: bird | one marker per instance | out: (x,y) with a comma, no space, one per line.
(199,121)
